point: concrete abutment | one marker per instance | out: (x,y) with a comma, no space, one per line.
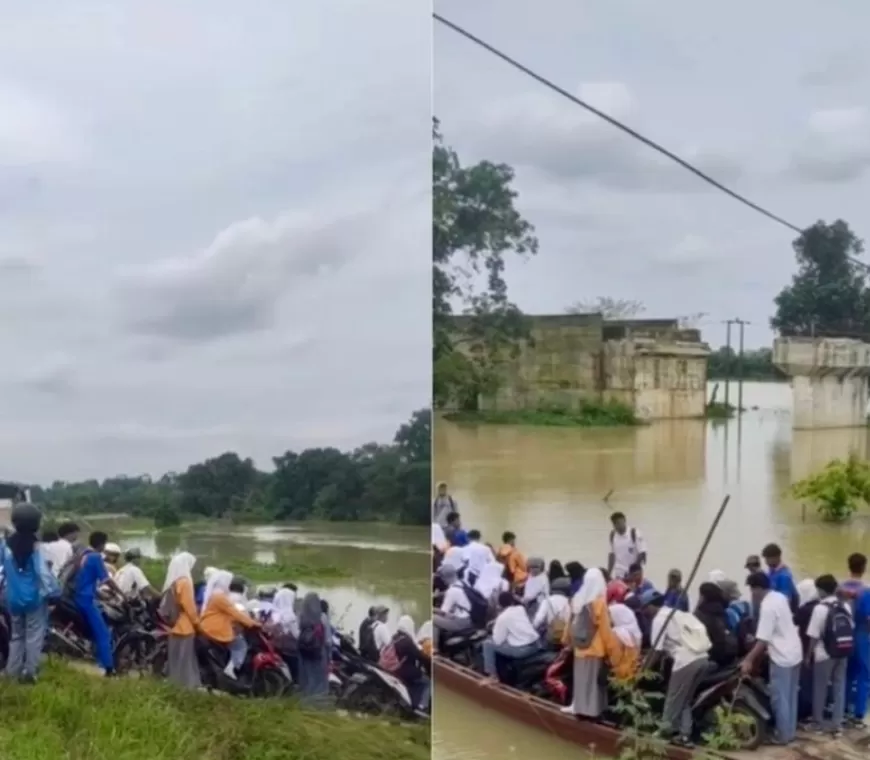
(829,380)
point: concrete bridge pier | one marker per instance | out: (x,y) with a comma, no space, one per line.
(830,379)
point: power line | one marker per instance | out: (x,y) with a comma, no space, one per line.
(619,125)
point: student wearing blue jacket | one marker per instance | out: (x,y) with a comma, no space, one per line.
(780,575)
(857,594)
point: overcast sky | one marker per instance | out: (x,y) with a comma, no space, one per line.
(215,230)
(771,99)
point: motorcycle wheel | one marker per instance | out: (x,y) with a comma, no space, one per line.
(135,653)
(371,699)
(269,683)
(749,727)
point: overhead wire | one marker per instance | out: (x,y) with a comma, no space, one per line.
(548,83)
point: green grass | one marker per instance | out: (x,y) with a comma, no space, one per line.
(74,716)
(719,410)
(587,414)
(257,572)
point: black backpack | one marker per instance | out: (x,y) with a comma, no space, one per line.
(839,634)
(367,647)
(310,641)
(67,575)
(478,606)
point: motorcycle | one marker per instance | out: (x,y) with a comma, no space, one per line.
(263,674)
(528,674)
(746,697)
(375,692)
(464,647)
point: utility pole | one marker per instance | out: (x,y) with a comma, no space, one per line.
(728,360)
(742,324)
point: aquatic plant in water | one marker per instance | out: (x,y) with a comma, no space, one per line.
(838,490)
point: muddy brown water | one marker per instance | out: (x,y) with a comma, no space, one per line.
(547,484)
(385,565)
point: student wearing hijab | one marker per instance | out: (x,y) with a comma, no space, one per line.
(29,585)
(221,618)
(181,644)
(537,586)
(628,638)
(555,571)
(591,637)
(284,628)
(402,658)
(313,651)
(575,571)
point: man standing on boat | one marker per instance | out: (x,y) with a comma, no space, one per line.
(443,505)
(627,547)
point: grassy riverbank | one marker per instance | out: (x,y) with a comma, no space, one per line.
(588,414)
(76,716)
(258,572)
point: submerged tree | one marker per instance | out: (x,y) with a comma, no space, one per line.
(475,225)
(828,296)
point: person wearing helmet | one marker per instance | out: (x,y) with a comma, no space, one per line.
(112,556)
(30,585)
(131,579)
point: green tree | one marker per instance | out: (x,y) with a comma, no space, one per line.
(828,295)
(475,225)
(374,482)
(757,364)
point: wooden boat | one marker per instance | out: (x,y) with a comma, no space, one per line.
(602,740)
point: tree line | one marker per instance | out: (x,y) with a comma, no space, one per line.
(375,482)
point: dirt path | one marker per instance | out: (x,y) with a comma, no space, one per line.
(855,745)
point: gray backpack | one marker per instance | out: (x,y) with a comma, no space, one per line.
(583,628)
(169,609)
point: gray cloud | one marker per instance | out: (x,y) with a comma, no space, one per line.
(211,212)
(613,218)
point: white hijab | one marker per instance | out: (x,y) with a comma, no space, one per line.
(594,587)
(438,537)
(425,632)
(489,580)
(284,613)
(454,557)
(218,583)
(208,573)
(406,626)
(537,588)
(625,626)
(180,566)
(807,591)
(717,576)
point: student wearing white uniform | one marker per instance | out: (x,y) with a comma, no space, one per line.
(627,547)
(554,613)
(777,633)
(476,556)
(513,635)
(60,551)
(380,631)
(829,672)
(683,637)
(455,611)
(131,579)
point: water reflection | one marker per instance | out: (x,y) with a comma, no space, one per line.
(546,485)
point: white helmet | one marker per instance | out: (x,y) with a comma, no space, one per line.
(112,549)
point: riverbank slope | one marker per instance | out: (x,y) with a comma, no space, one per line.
(69,714)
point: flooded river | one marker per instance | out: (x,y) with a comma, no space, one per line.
(384,564)
(547,486)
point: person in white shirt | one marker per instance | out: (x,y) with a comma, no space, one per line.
(537,586)
(476,555)
(455,611)
(513,635)
(682,637)
(380,630)
(627,547)
(777,634)
(131,580)
(60,551)
(554,613)
(829,672)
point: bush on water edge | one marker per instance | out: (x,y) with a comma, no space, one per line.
(586,414)
(70,714)
(256,572)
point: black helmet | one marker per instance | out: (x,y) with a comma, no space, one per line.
(26,517)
